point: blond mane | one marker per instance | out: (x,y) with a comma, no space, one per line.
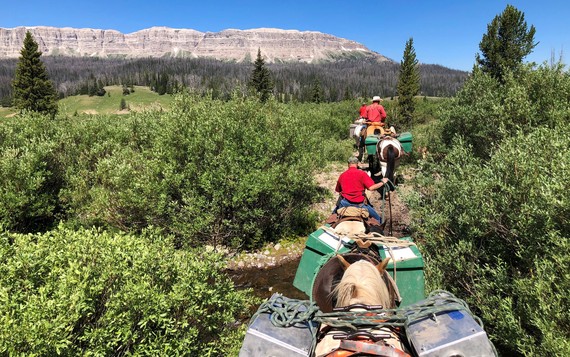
(362,284)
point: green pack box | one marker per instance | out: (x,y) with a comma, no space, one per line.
(319,243)
(409,274)
(370,142)
(406,141)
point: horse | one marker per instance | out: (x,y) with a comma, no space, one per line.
(389,151)
(363,283)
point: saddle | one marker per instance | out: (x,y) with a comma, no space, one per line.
(353,212)
(351,220)
(375,128)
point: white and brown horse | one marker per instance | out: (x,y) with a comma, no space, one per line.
(388,152)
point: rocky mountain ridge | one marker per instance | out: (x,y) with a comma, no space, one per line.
(276,45)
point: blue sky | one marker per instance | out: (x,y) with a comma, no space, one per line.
(445,32)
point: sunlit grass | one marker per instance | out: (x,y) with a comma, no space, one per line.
(6,112)
(110,103)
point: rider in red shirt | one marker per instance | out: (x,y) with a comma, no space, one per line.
(375,112)
(352,184)
(363,110)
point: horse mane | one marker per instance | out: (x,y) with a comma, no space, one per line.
(362,284)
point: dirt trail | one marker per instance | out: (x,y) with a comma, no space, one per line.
(278,254)
(398,220)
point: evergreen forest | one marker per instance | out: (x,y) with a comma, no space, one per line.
(339,80)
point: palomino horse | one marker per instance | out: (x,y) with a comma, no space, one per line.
(362,283)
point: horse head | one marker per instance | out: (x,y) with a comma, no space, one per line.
(362,283)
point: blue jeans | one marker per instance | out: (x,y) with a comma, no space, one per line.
(344,203)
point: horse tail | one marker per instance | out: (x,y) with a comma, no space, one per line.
(390,162)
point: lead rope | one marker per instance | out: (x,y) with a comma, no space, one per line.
(385,191)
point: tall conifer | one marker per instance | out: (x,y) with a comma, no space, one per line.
(261,81)
(408,83)
(33,89)
(507,42)
(317,91)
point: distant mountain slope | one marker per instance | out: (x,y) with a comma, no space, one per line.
(236,45)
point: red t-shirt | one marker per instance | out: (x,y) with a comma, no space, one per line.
(352,183)
(363,111)
(375,112)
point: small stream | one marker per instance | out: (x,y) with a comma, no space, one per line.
(266,282)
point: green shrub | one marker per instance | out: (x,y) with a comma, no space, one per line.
(237,172)
(29,178)
(90,292)
(485,112)
(241,169)
(496,232)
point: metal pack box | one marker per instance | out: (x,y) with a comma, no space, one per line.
(452,333)
(409,274)
(319,243)
(351,129)
(263,339)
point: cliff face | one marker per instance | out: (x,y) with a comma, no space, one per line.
(238,45)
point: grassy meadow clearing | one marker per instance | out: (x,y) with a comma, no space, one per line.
(140,100)
(110,103)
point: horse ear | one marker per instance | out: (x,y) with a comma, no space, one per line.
(382,265)
(345,264)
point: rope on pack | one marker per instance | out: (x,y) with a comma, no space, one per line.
(285,312)
(437,302)
(389,242)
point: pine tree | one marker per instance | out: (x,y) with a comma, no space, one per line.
(261,81)
(408,83)
(317,91)
(33,89)
(507,42)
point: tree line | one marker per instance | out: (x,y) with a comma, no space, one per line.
(338,80)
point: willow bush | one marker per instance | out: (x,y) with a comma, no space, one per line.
(237,172)
(95,293)
(28,184)
(493,212)
(486,111)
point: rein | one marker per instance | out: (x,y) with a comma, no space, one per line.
(386,193)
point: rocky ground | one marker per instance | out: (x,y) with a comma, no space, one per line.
(394,210)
